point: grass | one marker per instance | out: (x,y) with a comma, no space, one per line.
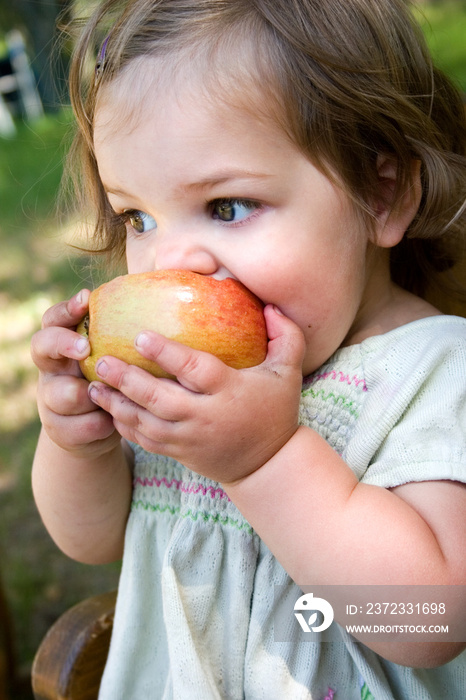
(37,269)
(444,26)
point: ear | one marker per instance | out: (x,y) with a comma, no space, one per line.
(393,218)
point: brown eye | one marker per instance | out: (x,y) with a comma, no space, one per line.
(137,223)
(140,221)
(225,211)
(233,210)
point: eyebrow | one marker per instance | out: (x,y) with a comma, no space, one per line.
(204,183)
(221,177)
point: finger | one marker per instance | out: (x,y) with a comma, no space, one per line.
(286,340)
(67,313)
(162,397)
(132,421)
(66,395)
(195,370)
(75,432)
(56,349)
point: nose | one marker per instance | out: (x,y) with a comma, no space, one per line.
(186,250)
(176,248)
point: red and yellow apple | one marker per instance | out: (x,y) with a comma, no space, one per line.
(221,317)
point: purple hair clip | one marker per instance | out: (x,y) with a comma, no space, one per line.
(100,63)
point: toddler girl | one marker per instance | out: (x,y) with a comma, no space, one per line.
(309,149)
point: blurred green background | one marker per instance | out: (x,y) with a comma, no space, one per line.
(38,267)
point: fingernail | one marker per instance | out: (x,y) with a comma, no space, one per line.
(101,368)
(81,344)
(142,339)
(79,298)
(277,311)
(93,392)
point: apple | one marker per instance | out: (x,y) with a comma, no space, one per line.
(221,317)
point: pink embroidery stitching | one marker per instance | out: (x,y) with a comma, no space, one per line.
(341,377)
(182,486)
(330,694)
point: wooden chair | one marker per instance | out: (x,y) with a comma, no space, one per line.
(70,661)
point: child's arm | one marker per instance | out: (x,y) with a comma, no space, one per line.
(327,528)
(413,534)
(81,472)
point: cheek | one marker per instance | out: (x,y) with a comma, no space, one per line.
(269,285)
(139,257)
(280,277)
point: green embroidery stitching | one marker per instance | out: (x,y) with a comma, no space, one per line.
(175,510)
(366,693)
(344,401)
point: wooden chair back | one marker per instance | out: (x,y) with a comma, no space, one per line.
(70,661)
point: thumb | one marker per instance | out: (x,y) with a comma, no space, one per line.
(286,340)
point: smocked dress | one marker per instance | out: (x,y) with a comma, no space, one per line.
(198,599)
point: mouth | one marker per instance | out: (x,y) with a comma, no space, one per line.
(223,275)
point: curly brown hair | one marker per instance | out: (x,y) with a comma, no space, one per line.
(348,80)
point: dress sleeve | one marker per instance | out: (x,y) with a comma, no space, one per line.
(417,409)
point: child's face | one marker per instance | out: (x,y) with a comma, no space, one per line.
(216,190)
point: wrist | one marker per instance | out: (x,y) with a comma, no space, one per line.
(88,453)
(97,451)
(278,454)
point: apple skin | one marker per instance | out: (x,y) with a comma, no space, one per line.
(221,317)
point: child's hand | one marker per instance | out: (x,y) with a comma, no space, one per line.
(69,417)
(220,422)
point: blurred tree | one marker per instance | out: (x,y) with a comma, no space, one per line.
(37,19)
